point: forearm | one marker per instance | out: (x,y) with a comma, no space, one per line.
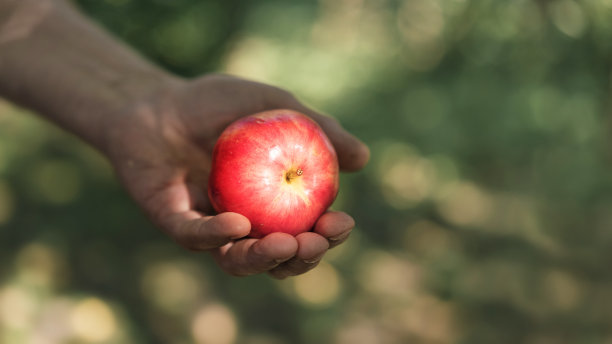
(58,63)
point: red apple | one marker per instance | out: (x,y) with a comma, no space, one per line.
(277,168)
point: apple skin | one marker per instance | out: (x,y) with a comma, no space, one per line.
(277,168)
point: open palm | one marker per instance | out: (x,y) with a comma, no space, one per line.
(161,149)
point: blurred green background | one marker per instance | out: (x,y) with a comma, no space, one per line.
(484,216)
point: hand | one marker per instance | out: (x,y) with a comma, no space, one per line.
(161,149)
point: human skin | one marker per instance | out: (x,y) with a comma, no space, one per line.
(158,131)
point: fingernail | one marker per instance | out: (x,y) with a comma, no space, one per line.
(278,261)
(339,237)
(236,237)
(311,261)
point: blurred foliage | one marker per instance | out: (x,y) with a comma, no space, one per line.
(485,215)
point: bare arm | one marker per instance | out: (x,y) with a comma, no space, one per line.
(57,62)
(157,130)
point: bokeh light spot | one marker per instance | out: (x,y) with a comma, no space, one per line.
(406,177)
(17,307)
(40,265)
(465,204)
(569,17)
(53,322)
(420,21)
(430,319)
(561,290)
(172,286)
(319,287)
(214,324)
(246,59)
(361,331)
(92,320)
(57,182)
(384,274)
(421,24)
(428,240)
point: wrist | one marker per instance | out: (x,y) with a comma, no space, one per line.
(136,99)
(86,78)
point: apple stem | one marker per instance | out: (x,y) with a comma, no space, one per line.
(292,174)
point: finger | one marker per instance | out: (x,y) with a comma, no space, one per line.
(311,248)
(253,256)
(195,232)
(335,226)
(198,198)
(353,154)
